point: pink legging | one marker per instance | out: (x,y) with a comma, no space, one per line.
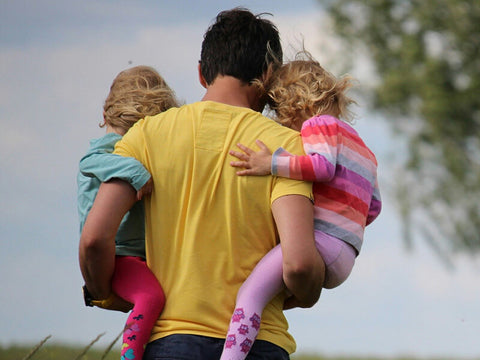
(266,281)
(133,281)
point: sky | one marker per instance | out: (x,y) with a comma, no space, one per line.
(57,61)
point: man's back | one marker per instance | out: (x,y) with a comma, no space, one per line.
(206,227)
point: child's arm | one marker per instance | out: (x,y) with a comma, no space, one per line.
(320,143)
(318,165)
(312,167)
(106,166)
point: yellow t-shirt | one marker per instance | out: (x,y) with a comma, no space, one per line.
(206,227)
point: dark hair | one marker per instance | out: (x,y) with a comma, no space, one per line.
(240,44)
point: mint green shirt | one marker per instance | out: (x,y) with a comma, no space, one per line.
(100,165)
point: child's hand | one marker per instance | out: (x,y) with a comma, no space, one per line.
(254,163)
(145,190)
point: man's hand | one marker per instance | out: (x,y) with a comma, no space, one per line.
(254,163)
(292,302)
(145,190)
(115,303)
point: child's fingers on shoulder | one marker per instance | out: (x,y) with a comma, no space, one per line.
(239,155)
(241,164)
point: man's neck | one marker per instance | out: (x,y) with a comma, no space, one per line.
(231,91)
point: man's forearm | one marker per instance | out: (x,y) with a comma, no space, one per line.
(97,264)
(303,267)
(97,242)
(304,278)
(306,285)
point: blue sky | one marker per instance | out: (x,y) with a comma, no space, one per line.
(57,61)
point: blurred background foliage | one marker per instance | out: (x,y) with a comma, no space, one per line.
(426,59)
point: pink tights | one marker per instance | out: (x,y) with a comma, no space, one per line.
(266,281)
(133,281)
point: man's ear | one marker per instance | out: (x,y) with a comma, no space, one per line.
(202,80)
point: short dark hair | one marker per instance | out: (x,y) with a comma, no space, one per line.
(240,44)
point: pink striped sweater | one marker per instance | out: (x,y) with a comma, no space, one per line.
(344,175)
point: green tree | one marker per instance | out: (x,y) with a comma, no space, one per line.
(426,55)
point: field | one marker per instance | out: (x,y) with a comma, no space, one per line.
(67,352)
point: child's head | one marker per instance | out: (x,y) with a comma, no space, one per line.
(135,93)
(301,89)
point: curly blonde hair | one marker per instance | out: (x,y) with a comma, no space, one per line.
(135,93)
(302,88)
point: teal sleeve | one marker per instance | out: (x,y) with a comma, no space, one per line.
(107,166)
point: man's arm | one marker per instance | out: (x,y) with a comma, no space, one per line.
(303,267)
(97,242)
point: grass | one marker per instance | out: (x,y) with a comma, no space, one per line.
(55,352)
(60,352)
(44,351)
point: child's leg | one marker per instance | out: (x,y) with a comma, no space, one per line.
(265,281)
(133,281)
(339,258)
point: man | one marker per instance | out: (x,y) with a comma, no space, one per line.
(206,228)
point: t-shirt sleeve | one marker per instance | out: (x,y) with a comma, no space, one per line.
(132,143)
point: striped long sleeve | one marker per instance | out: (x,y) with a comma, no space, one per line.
(344,172)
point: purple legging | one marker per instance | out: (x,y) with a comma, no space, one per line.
(266,281)
(133,281)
